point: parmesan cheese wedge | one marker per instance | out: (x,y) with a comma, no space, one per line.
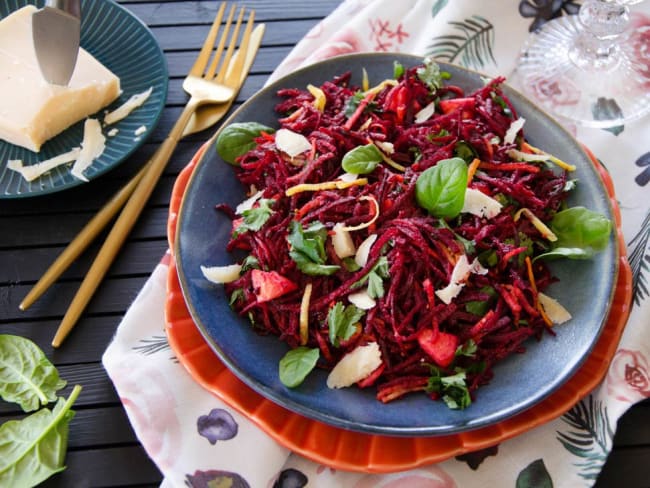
(355,366)
(32,110)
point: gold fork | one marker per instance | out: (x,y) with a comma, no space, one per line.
(205,116)
(199,94)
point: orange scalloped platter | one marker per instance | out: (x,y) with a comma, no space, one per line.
(359,451)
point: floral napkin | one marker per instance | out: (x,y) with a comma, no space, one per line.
(197,440)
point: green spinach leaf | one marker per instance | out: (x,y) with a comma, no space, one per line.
(580,233)
(296,364)
(27,377)
(341,321)
(33,449)
(362,159)
(238,138)
(440,189)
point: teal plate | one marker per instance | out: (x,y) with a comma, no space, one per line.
(127,47)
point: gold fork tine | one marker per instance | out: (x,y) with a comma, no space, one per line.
(232,74)
(215,60)
(206,50)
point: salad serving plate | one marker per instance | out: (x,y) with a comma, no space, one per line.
(585,288)
(126,46)
(358,451)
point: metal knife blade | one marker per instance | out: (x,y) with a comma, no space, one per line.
(56,29)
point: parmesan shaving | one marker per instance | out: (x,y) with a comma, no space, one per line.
(362,300)
(479,204)
(92,146)
(512,131)
(426,113)
(361,257)
(221,274)
(304,314)
(127,107)
(248,203)
(459,275)
(342,242)
(291,143)
(555,311)
(140,130)
(355,366)
(33,171)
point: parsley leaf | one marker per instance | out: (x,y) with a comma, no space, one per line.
(431,75)
(342,322)
(374,278)
(308,248)
(256,217)
(452,388)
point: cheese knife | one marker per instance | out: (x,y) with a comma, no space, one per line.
(56,30)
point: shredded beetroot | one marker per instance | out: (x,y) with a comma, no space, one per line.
(497,310)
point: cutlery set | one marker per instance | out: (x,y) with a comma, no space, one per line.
(212,83)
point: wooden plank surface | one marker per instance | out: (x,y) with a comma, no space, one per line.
(103,450)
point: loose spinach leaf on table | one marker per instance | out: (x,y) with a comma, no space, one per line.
(27,377)
(33,449)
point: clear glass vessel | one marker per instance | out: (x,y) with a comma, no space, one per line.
(593,68)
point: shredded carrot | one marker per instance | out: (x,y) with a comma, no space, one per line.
(473,166)
(533,286)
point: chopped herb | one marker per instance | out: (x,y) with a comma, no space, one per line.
(308,248)
(342,322)
(255,217)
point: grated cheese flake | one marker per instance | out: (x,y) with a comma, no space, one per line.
(291,143)
(425,113)
(342,241)
(512,131)
(362,300)
(555,311)
(304,314)
(355,366)
(361,257)
(248,203)
(33,171)
(127,107)
(479,204)
(221,274)
(92,146)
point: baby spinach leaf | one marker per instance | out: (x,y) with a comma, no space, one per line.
(341,321)
(33,449)
(238,138)
(362,159)
(27,377)
(580,233)
(296,364)
(308,248)
(440,189)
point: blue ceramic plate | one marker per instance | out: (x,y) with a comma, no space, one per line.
(125,46)
(585,288)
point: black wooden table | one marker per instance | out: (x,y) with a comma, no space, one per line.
(103,450)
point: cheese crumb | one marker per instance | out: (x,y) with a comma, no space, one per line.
(221,274)
(140,130)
